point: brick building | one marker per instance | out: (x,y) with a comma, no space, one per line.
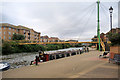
(53,39)
(7,31)
(104,37)
(44,38)
(114,30)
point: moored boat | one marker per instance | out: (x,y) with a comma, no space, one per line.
(4,66)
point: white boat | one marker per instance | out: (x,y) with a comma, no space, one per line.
(4,66)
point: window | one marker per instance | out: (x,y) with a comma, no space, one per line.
(9,28)
(9,33)
(4,37)
(17,30)
(4,32)
(24,32)
(13,29)
(0,37)
(0,27)
(4,27)
(9,38)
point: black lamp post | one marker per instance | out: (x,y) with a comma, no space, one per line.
(111,11)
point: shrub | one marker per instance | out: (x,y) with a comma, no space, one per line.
(6,48)
(114,38)
(18,37)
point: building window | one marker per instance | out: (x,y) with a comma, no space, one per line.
(4,27)
(9,33)
(4,32)
(17,30)
(24,32)
(9,38)
(4,37)
(9,28)
(13,29)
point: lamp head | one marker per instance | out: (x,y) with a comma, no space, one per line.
(111,9)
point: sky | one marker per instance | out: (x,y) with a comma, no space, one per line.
(66,19)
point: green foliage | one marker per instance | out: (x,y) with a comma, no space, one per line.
(114,38)
(78,45)
(18,37)
(14,47)
(6,48)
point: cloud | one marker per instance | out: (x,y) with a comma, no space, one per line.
(66,20)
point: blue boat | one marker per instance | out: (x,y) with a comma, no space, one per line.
(4,66)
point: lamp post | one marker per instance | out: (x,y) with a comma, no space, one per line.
(111,11)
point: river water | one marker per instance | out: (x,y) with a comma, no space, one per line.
(23,59)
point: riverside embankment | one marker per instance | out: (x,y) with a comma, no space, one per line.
(86,65)
(23,59)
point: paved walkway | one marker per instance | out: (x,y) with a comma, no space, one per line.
(86,65)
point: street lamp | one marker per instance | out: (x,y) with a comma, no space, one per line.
(111,11)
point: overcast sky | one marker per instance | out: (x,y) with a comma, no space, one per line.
(73,19)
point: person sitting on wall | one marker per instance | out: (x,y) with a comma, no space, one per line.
(36,61)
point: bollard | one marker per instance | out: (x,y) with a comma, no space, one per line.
(70,53)
(36,60)
(75,52)
(65,55)
(87,49)
(80,52)
(55,56)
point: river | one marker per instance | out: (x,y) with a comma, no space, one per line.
(23,59)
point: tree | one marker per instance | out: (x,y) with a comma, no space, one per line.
(114,38)
(18,37)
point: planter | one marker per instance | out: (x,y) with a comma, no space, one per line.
(114,53)
(115,49)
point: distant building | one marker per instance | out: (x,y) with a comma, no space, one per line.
(72,41)
(44,38)
(61,40)
(104,36)
(53,39)
(7,31)
(114,30)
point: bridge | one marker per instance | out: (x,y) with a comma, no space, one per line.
(57,43)
(22,42)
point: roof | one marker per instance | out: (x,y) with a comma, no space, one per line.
(17,27)
(23,27)
(72,40)
(13,26)
(45,37)
(53,38)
